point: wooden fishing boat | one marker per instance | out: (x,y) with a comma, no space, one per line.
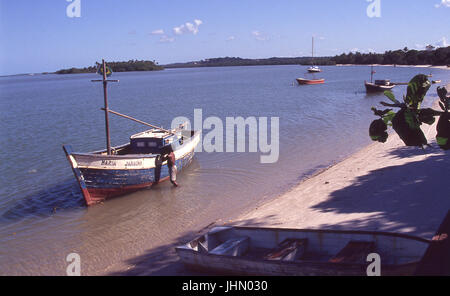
(303,81)
(379,85)
(132,166)
(275,251)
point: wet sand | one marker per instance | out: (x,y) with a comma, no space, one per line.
(383,187)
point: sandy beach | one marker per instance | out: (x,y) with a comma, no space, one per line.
(384,187)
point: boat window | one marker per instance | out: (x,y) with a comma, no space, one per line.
(152,144)
(140,144)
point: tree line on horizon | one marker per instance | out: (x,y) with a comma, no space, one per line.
(131,65)
(437,57)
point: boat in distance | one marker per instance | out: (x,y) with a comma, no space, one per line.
(304,81)
(378,86)
(301,252)
(314,69)
(130,167)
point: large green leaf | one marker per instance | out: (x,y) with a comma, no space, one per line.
(417,89)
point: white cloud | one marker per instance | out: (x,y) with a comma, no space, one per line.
(188,27)
(166,39)
(158,32)
(442,42)
(444,3)
(258,36)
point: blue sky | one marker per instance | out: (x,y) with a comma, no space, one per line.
(38,36)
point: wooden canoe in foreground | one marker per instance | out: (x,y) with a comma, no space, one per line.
(275,251)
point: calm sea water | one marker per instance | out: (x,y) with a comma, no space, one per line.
(42,215)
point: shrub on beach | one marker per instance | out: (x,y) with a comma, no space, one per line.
(407,121)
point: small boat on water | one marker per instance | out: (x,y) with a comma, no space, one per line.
(436,81)
(379,85)
(136,165)
(303,81)
(313,68)
(276,251)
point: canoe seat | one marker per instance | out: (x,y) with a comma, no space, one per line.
(236,246)
(288,250)
(354,252)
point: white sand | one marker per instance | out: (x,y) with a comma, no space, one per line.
(384,187)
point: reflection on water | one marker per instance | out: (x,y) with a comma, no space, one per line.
(42,216)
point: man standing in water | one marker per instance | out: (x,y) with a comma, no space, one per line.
(170,157)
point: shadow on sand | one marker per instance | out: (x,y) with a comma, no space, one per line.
(411,198)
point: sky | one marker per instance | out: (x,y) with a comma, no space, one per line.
(48,35)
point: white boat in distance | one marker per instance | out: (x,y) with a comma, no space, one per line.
(313,68)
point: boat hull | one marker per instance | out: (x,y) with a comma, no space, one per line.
(314,70)
(399,253)
(102,176)
(372,87)
(302,81)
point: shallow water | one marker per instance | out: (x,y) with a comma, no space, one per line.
(42,215)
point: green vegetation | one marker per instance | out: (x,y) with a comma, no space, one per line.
(232,61)
(440,56)
(132,65)
(407,121)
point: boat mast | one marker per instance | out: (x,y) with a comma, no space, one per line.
(105,97)
(312,51)
(371,74)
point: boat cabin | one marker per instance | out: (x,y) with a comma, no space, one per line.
(383,82)
(150,142)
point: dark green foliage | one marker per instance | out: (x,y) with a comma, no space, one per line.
(443,131)
(407,121)
(378,131)
(407,126)
(132,65)
(427,115)
(417,88)
(445,101)
(440,56)
(443,126)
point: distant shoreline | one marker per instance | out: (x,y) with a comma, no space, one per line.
(399,66)
(337,65)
